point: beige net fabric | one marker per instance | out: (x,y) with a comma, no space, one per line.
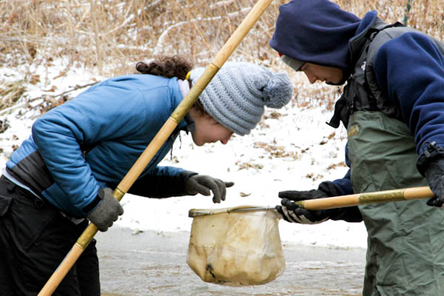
(236,248)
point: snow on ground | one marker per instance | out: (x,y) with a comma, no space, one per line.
(292,149)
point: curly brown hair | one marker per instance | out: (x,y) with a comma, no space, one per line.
(169,67)
(166,66)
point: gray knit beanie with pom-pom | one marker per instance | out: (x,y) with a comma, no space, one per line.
(237,95)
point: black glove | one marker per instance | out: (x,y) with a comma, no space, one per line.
(108,210)
(435,176)
(205,184)
(293,213)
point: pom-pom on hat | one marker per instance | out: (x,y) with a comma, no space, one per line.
(237,95)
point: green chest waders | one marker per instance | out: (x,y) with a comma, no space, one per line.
(405,254)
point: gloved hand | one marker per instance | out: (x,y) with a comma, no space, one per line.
(205,184)
(295,214)
(435,176)
(108,210)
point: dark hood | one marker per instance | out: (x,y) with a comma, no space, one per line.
(315,31)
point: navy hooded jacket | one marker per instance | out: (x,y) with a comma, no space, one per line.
(408,68)
(320,37)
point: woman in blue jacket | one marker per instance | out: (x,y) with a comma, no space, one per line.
(393,108)
(78,153)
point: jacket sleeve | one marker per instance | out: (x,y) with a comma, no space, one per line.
(158,184)
(95,116)
(410,69)
(337,188)
(342,187)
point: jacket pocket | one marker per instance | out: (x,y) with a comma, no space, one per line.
(38,229)
(29,219)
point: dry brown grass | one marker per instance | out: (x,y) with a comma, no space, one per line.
(112,35)
(10,92)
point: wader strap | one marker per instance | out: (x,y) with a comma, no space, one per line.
(345,106)
(341,112)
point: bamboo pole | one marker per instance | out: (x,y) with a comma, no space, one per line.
(366,198)
(158,140)
(332,202)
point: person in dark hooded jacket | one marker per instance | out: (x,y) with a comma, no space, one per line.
(393,108)
(64,174)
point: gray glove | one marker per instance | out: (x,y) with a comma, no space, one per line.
(205,184)
(108,210)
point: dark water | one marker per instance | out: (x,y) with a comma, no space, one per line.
(151,263)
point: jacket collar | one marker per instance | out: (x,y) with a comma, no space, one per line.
(369,23)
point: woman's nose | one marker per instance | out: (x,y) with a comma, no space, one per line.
(312,78)
(225,141)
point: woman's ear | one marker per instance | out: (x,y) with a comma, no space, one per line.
(197,110)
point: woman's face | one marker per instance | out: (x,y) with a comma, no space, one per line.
(208,130)
(325,74)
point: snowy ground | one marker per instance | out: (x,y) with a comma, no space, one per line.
(291,149)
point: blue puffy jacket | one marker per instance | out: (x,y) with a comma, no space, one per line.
(94,139)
